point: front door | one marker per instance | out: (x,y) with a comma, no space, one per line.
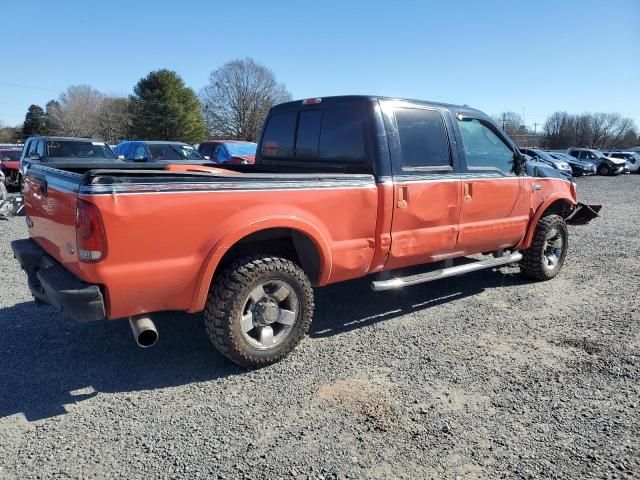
(427,188)
(494,211)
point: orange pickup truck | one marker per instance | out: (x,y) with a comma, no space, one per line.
(342,187)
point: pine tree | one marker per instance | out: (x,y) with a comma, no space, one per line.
(163,108)
(34,121)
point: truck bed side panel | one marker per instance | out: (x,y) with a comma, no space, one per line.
(159,242)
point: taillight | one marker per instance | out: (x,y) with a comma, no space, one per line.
(90,237)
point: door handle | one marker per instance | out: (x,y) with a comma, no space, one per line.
(468,192)
(403,196)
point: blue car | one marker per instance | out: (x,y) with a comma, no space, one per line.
(544,157)
(158,151)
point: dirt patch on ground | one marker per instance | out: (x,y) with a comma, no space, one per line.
(370,399)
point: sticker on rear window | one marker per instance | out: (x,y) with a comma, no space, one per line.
(271,148)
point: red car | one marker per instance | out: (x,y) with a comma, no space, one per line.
(10,165)
(229,151)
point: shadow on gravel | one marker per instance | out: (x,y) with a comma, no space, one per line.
(48,361)
(340,308)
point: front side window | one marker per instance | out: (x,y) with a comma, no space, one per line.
(423,139)
(484,150)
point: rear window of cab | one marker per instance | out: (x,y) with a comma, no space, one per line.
(327,135)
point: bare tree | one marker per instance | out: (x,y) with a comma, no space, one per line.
(558,130)
(76,114)
(113,119)
(596,130)
(238,97)
(511,123)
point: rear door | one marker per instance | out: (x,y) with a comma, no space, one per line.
(426,182)
(494,211)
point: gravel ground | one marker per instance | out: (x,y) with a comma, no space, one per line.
(483,376)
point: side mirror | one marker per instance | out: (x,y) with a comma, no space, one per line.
(121,157)
(140,159)
(35,156)
(519,163)
(206,157)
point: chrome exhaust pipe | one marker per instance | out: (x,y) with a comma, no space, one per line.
(144,331)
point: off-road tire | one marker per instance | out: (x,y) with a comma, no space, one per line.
(533,264)
(226,302)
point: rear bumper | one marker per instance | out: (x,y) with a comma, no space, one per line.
(51,283)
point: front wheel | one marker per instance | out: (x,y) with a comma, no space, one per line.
(603,169)
(258,310)
(543,260)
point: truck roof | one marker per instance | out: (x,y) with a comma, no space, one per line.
(60,138)
(373,98)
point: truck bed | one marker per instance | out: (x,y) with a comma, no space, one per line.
(166,230)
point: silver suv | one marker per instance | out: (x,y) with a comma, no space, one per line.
(604,165)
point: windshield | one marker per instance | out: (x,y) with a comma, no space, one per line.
(78,149)
(10,155)
(598,154)
(174,152)
(241,148)
(544,155)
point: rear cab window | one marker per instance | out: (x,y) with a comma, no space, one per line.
(332,135)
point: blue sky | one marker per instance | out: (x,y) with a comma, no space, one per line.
(543,56)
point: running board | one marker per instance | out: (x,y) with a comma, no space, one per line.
(393,283)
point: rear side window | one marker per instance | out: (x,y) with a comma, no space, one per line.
(329,135)
(484,150)
(279,135)
(423,139)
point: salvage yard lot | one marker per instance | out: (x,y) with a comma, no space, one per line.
(480,376)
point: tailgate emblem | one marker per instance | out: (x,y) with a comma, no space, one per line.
(70,249)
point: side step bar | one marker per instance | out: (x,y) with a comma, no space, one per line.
(393,283)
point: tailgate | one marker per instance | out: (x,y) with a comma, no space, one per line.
(50,197)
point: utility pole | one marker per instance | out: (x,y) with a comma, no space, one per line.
(535,130)
(503,115)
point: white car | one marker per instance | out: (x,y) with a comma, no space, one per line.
(632,159)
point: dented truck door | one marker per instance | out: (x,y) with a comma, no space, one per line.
(427,185)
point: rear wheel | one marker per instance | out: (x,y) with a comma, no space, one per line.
(603,169)
(258,310)
(543,260)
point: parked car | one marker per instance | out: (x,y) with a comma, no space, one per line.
(229,151)
(10,165)
(544,157)
(578,167)
(158,151)
(342,187)
(604,165)
(70,150)
(3,187)
(632,159)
